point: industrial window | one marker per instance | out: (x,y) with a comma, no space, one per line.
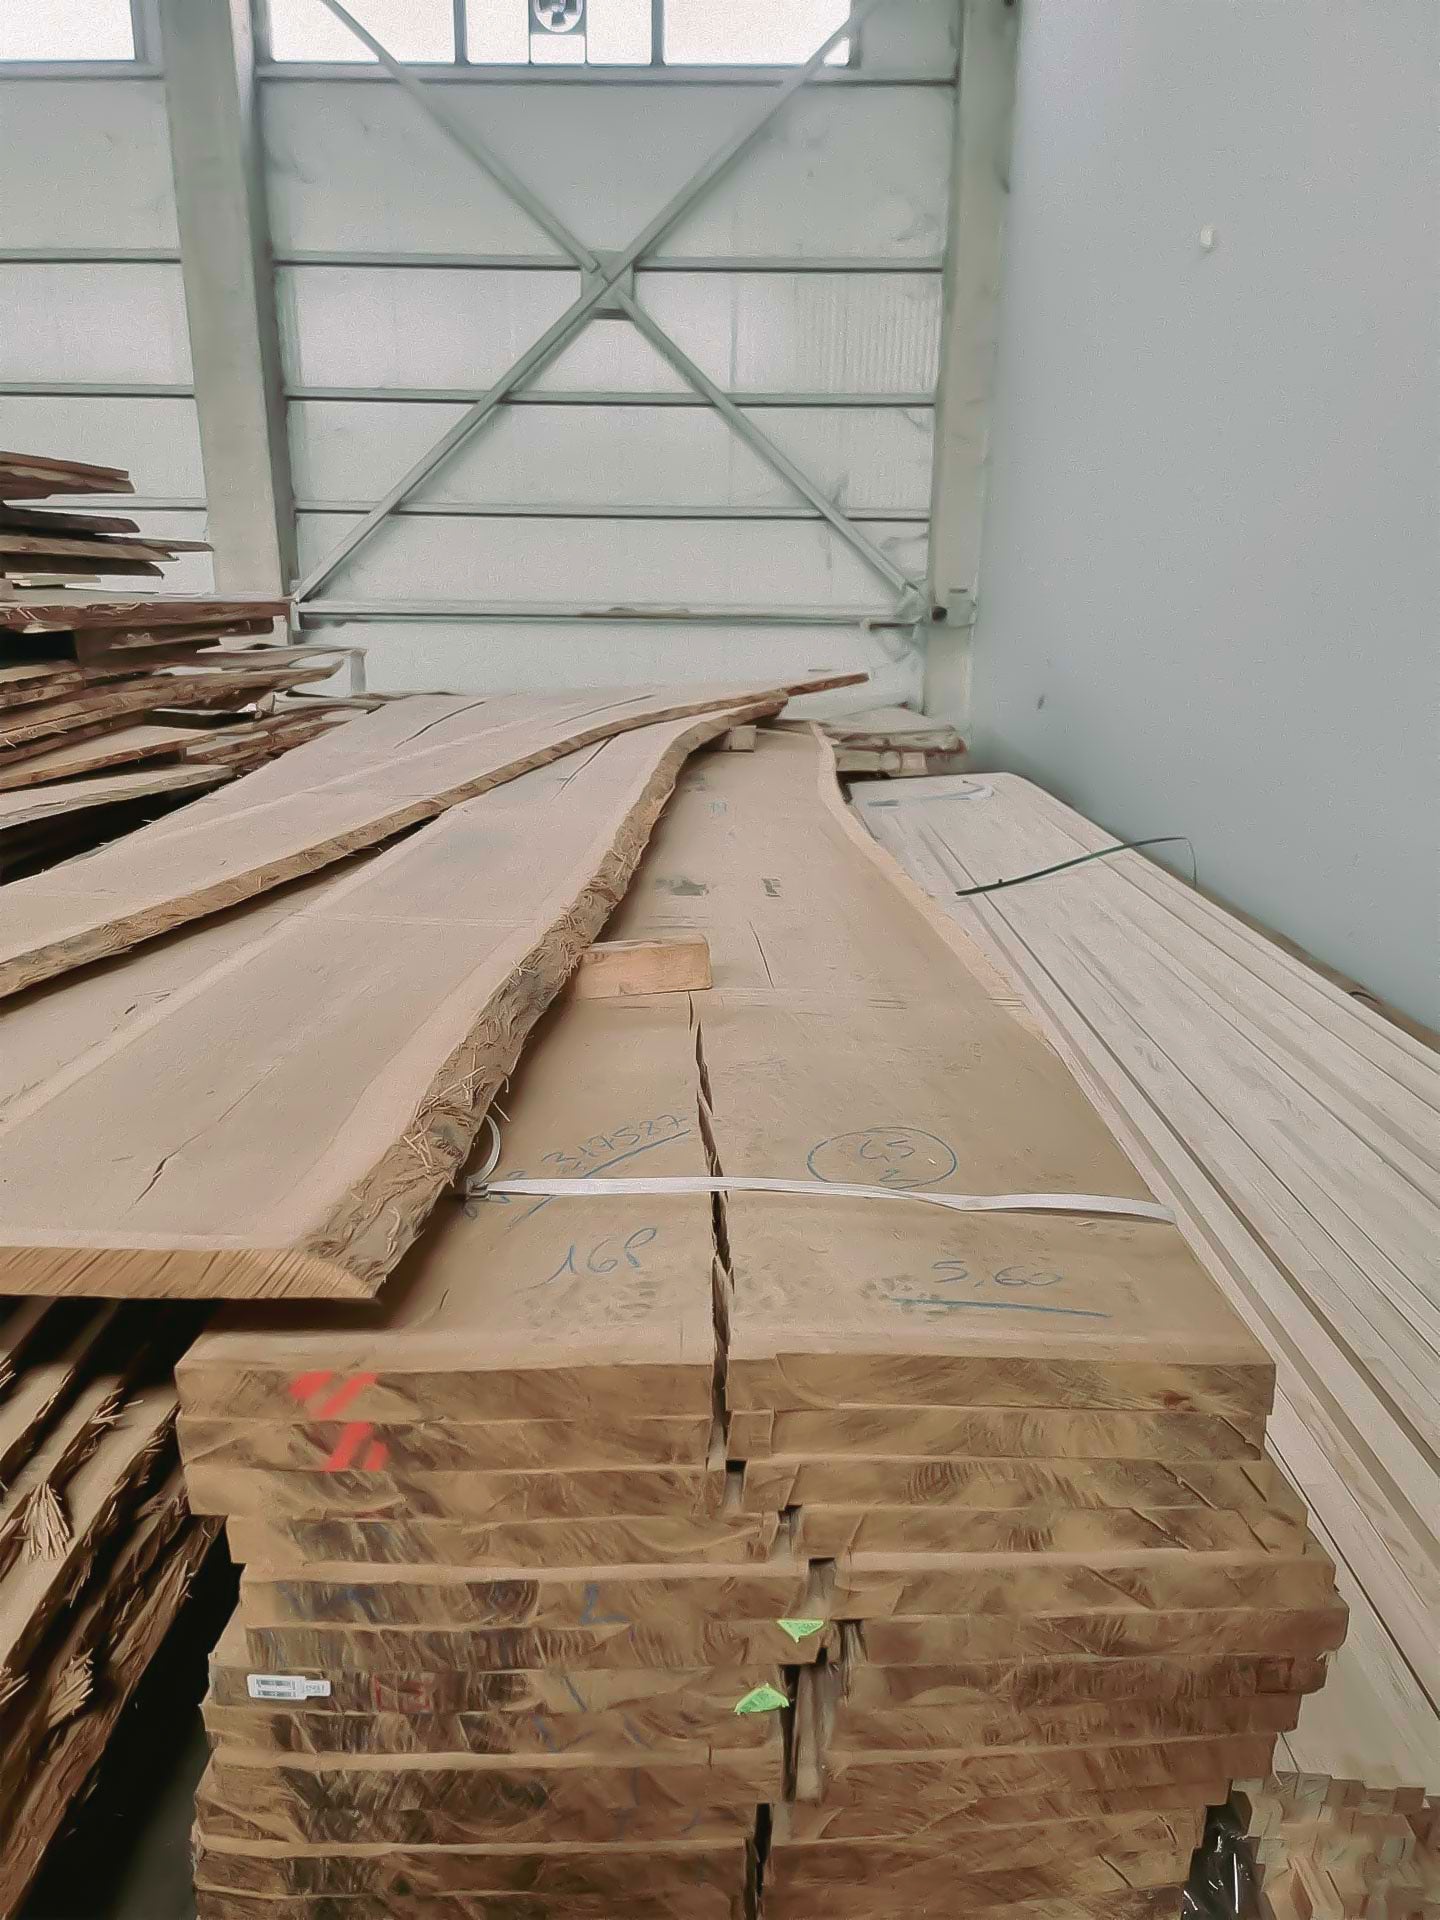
(66,30)
(577,33)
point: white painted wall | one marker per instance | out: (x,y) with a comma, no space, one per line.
(1210,581)
(87,167)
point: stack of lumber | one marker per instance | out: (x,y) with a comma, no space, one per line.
(928,1555)
(40,545)
(284,1087)
(107,706)
(259,1028)
(1338,1850)
(1296,1133)
(146,693)
(891,740)
(97,1547)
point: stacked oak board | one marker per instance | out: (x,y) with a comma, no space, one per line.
(97,1546)
(112,711)
(39,545)
(1297,1134)
(662,1552)
(420,967)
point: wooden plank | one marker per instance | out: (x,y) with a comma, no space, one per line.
(653,1540)
(543,1595)
(15,542)
(457,1798)
(130,616)
(273,833)
(590,1439)
(449,995)
(30,476)
(47,719)
(992,1433)
(830,1531)
(557,1872)
(48,520)
(612,968)
(69,797)
(821,936)
(871,1586)
(88,751)
(672,1645)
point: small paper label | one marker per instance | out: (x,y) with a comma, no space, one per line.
(765,1699)
(799,1630)
(286,1686)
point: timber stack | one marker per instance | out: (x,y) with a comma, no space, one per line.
(112,711)
(404,830)
(1326,1849)
(641,1538)
(1296,1134)
(97,1547)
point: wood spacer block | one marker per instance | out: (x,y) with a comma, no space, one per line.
(612,968)
(738,740)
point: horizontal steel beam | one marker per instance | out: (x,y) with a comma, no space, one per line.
(79,70)
(95,390)
(89,256)
(559,263)
(613,397)
(532,613)
(533,510)
(603,76)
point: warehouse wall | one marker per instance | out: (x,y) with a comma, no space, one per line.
(87,172)
(808,284)
(1209,581)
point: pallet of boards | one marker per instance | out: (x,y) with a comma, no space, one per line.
(531,816)
(1296,1134)
(882,1546)
(97,1547)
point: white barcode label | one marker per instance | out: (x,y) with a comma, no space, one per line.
(286,1686)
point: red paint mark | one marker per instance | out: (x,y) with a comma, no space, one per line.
(377,1456)
(342,1397)
(304,1385)
(352,1438)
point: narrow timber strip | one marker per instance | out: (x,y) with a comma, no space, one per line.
(560,1871)
(131,616)
(78,796)
(48,719)
(612,969)
(50,520)
(30,476)
(150,883)
(448,998)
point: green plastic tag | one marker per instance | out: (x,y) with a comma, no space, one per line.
(765,1699)
(799,1630)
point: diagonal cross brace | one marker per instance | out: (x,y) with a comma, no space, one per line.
(601,278)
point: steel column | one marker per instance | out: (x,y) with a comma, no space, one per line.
(229,291)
